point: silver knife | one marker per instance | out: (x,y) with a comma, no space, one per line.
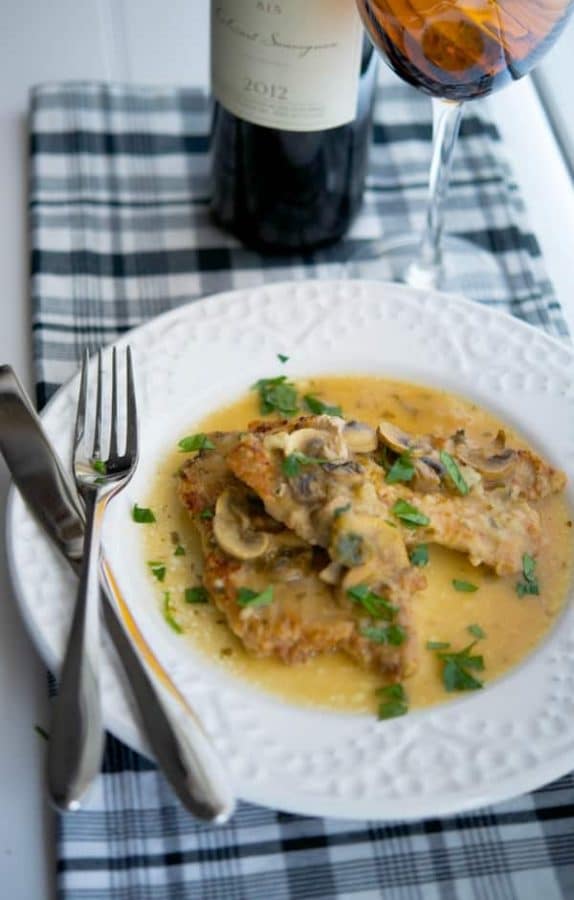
(179,743)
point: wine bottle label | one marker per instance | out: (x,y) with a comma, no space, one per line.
(288,64)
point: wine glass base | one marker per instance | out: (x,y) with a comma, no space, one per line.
(465,269)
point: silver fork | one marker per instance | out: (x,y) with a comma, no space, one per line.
(77,733)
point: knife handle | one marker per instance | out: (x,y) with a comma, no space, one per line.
(179,744)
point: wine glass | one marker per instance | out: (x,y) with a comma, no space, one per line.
(454,50)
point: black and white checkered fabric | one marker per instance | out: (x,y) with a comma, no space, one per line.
(121,231)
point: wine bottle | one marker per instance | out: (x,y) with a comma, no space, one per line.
(293,83)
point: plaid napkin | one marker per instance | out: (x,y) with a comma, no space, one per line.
(120,231)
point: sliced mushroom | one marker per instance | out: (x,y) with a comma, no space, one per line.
(360,438)
(491,465)
(427,477)
(324,443)
(309,487)
(292,558)
(351,469)
(400,441)
(232,527)
(492,459)
(311,441)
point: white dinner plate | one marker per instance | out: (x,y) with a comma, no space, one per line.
(513,736)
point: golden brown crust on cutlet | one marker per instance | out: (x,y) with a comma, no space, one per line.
(307,617)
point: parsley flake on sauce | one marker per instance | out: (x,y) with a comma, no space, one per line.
(206,513)
(197,594)
(195,442)
(168,614)
(319,408)
(465,587)
(458,667)
(401,470)
(377,607)
(157,569)
(394,701)
(476,631)
(454,472)
(394,635)
(529,583)
(419,556)
(409,514)
(437,645)
(277,395)
(255,599)
(142,515)
(179,550)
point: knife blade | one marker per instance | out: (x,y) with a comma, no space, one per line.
(179,742)
(36,469)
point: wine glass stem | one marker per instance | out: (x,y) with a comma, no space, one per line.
(446,123)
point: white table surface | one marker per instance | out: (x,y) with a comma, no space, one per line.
(149,41)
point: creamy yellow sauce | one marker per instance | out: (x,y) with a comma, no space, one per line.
(513,625)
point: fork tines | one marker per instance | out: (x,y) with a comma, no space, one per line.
(104,454)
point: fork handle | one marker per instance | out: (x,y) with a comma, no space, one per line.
(76,735)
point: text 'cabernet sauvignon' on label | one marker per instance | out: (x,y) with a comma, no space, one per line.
(292,65)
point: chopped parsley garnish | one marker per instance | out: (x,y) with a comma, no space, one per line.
(437,645)
(291,465)
(142,515)
(465,587)
(394,701)
(206,513)
(168,614)
(376,606)
(395,635)
(419,556)
(524,588)
(99,466)
(457,667)
(454,472)
(529,583)
(179,550)
(158,570)
(342,509)
(277,395)
(247,597)
(196,594)
(349,549)
(409,514)
(476,631)
(319,408)
(195,442)
(392,691)
(401,470)
(42,732)
(282,358)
